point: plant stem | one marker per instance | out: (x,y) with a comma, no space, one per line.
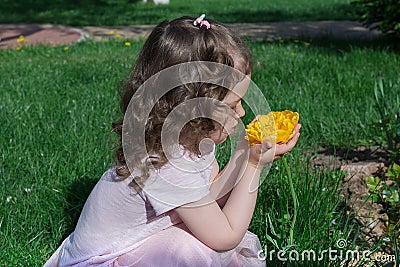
(289,174)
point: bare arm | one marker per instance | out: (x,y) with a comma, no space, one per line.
(223,229)
(231,170)
(221,200)
(223,182)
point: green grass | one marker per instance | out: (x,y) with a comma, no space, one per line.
(123,12)
(321,217)
(331,87)
(57,106)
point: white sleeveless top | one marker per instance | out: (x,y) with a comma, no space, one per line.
(116,219)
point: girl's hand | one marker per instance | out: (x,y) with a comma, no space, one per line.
(261,154)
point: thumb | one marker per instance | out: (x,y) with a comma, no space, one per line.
(266,146)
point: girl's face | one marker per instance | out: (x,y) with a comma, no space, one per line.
(233,100)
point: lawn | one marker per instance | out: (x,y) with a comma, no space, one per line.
(57,106)
(125,12)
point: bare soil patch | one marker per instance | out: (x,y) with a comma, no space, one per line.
(358,164)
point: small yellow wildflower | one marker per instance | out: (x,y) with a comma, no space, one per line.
(277,127)
(22,39)
(111,32)
(118,35)
(307,44)
(65,48)
(18,48)
(127,43)
(296,41)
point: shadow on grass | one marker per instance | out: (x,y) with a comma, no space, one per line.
(77,195)
(73,12)
(341,12)
(360,154)
(329,44)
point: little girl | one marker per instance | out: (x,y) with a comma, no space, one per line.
(148,210)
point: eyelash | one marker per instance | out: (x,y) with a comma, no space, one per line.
(237,104)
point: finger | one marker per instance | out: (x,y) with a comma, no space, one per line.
(286,148)
(283,149)
(266,146)
(257,148)
(256,118)
(297,127)
(291,144)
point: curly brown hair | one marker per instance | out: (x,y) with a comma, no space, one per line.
(170,43)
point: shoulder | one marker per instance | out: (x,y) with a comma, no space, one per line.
(184,179)
(185,168)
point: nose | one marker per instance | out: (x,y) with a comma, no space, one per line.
(240,110)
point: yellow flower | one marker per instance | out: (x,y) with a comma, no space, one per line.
(296,41)
(22,39)
(276,126)
(18,48)
(111,32)
(127,43)
(307,44)
(65,48)
(118,35)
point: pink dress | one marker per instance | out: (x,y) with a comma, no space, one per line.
(120,227)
